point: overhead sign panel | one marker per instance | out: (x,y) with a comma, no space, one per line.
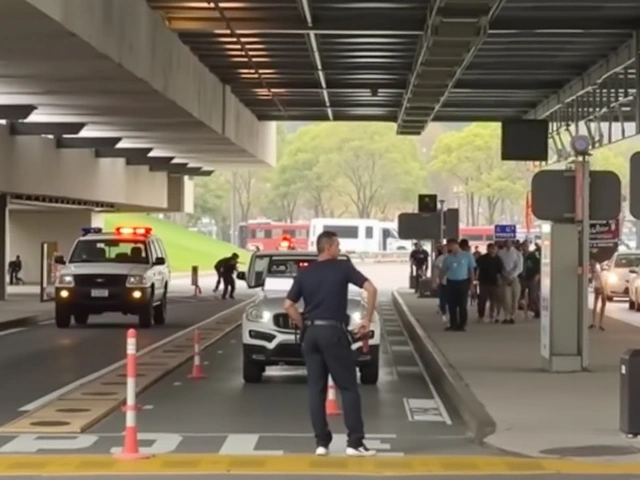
(427,226)
(427,203)
(634,185)
(505,232)
(553,195)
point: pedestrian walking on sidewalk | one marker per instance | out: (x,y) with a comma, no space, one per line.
(326,340)
(490,270)
(599,294)
(512,262)
(458,269)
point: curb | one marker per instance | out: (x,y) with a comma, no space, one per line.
(25,320)
(444,376)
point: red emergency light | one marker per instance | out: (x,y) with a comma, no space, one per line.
(133,231)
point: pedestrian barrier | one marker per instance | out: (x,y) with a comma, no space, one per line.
(130,450)
(331,404)
(196,372)
(382,257)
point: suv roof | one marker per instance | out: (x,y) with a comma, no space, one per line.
(291,254)
(114,236)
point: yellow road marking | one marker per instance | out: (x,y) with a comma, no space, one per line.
(302,464)
(81,408)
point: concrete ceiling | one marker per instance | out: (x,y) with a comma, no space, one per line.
(44,64)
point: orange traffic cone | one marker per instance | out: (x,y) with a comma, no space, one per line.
(196,372)
(331,405)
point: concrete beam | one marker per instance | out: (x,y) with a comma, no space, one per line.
(621,58)
(202,173)
(45,128)
(148,161)
(122,152)
(15,113)
(87,142)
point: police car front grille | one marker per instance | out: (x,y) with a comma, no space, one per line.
(282,321)
(100,281)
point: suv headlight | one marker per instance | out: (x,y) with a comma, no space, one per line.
(255,314)
(65,281)
(137,281)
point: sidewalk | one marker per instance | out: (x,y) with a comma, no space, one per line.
(22,308)
(493,374)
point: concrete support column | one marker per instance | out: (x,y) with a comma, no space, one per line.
(562,345)
(4,244)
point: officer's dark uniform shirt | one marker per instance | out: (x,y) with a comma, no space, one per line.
(419,257)
(324,287)
(228,266)
(531,265)
(218,266)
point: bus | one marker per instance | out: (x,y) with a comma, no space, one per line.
(482,236)
(359,235)
(267,235)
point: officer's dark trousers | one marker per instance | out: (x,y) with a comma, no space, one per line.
(327,351)
(458,298)
(229,286)
(218,282)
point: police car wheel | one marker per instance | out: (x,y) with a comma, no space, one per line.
(160,311)
(609,298)
(369,374)
(63,318)
(80,318)
(632,305)
(145,317)
(252,372)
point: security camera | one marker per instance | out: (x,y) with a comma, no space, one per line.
(581,144)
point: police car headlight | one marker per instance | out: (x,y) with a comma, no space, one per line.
(65,281)
(137,281)
(255,314)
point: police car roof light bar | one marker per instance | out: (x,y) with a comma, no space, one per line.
(89,230)
(133,230)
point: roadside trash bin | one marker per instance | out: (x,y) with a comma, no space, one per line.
(630,393)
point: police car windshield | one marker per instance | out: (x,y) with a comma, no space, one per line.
(627,261)
(110,251)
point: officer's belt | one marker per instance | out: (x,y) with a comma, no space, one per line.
(323,323)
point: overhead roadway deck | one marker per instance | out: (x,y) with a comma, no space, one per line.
(475,60)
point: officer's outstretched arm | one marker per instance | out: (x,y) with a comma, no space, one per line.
(372,299)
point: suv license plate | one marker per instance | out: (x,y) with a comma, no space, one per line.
(100,293)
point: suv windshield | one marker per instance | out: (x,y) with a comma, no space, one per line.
(110,251)
(627,261)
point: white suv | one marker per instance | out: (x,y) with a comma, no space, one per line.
(269,337)
(124,271)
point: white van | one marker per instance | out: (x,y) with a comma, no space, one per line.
(359,235)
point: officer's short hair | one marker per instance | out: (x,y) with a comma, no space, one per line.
(452,241)
(235,255)
(325,239)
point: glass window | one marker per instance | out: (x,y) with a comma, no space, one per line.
(343,231)
(368,233)
(110,251)
(488,238)
(291,233)
(276,232)
(301,233)
(627,261)
(474,238)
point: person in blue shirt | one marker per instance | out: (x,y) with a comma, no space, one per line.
(458,268)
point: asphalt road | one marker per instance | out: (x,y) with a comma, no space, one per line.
(40,359)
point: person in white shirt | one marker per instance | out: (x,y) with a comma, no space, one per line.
(442,282)
(599,294)
(513,263)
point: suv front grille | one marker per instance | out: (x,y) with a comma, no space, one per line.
(283,322)
(100,281)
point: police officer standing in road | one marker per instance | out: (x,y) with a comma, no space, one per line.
(419,258)
(326,342)
(458,268)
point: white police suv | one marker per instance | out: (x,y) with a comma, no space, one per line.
(123,271)
(269,337)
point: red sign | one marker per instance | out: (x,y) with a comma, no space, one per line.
(604,233)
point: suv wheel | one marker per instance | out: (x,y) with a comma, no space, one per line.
(160,310)
(251,371)
(632,304)
(80,318)
(145,316)
(369,374)
(63,317)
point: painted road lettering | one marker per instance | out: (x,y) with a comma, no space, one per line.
(423,410)
(165,443)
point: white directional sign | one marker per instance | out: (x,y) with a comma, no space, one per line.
(505,232)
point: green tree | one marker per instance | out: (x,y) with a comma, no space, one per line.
(365,164)
(471,156)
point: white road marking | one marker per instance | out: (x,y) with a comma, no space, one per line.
(46,322)
(89,378)
(11,331)
(176,384)
(422,410)
(400,348)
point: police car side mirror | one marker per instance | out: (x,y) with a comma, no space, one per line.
(633,271)
(59,260)
(160,261)
(241,276)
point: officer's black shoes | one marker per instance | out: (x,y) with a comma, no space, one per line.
(361,451)
(322,451)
